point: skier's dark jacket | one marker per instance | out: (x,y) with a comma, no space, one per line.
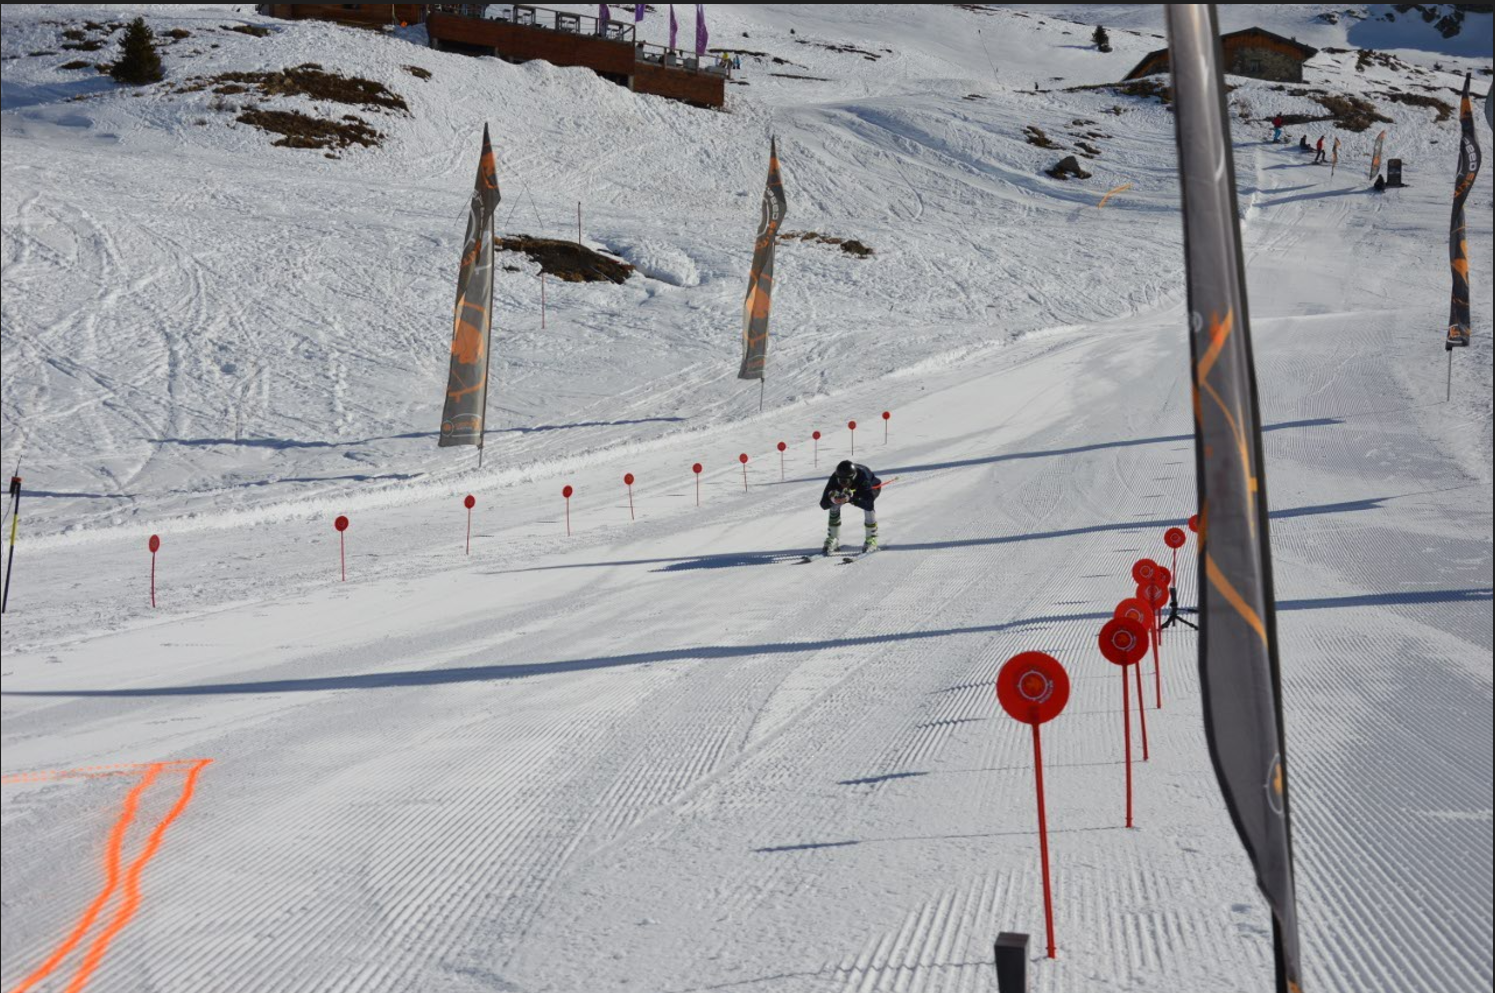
(864,492)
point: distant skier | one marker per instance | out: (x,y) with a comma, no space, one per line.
(860,487)
(1323,156)
(1278,123)
(1303,145)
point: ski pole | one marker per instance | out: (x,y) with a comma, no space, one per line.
(15,523)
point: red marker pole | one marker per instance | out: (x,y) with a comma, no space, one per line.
(1123,642)
(1138,611)
(342,524)
(887,421)
(469,503)
(1043,843)
(15,525)
(1034,689)
(698,469)
(1155,595)
(744,460)
(783,468)
(628,482)
(155,545)
(853,427)
(817,449)
(1176,539)
(568,493)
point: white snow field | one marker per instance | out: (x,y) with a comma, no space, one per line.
(661,755)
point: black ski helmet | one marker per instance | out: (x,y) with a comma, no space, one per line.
(846,471)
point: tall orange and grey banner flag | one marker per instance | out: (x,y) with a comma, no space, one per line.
(1460,331)
(472,337)
(1238,639)
(760,283)
(1376,155)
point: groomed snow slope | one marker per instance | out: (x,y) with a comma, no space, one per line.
(661,756)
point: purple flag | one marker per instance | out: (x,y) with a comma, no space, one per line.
(604,13)
(674,28)
(638,12)
(703,37)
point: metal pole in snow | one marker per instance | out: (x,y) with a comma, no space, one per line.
(15,522)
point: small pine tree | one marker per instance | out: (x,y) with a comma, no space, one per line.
(139,62)
(1102,39)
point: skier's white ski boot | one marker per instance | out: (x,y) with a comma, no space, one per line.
(870,546)
(833,537)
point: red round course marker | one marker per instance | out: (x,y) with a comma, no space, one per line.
(1176,538)
(1194,524)
(852,427)
(1138,611)
(698,468)
(744,460)
(1164,577)
(1034,688)
(568,493)
(155,546)
(1153,593)
(887,418)
(469,503)
(817,436)
(783,467)
(628,481)
(1124,642)
(342,524)
(1145,571)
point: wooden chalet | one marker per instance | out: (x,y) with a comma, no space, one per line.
(1254,53)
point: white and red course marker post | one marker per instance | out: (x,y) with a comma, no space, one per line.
(342,524)
(1123,642)
(743,458)
(887,423)
(628,481)
(1034,689)
(568,493)
(817,436)
(698,468)
(470,503)
(783,465)
(852,427)
(155,546)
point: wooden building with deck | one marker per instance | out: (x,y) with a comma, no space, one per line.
(523,33)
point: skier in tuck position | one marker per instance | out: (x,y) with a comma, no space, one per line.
(860,487)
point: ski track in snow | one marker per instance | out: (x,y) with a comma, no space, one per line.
(660,754)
